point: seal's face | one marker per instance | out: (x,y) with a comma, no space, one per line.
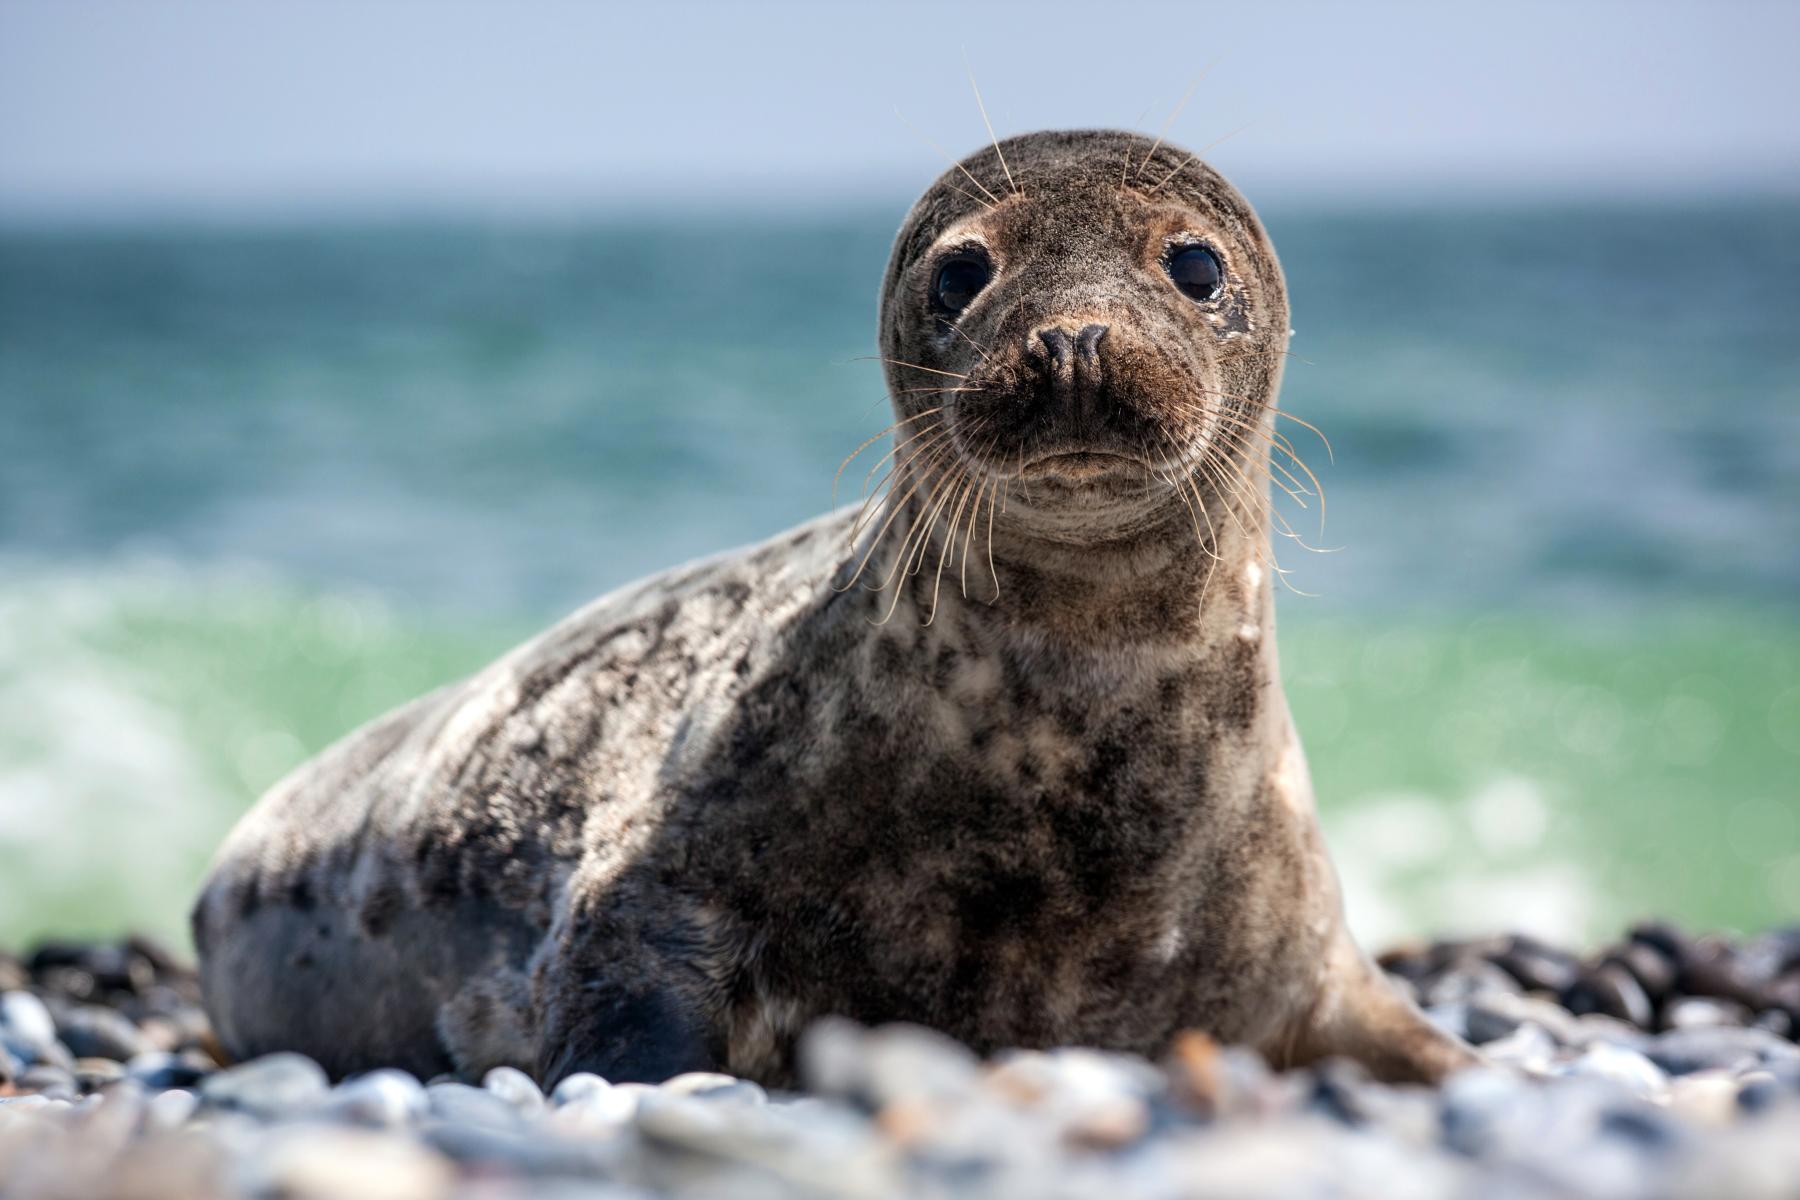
(1097,314)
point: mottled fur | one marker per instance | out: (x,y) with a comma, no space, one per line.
(718,804)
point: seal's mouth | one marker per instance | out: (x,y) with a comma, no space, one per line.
(1080,464)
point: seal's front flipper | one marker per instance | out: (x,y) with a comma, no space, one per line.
(624,1036)
(1361,1015)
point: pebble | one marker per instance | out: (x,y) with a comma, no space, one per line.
(26,1024)
(161,1069)
(169,1110)
(334,1164)
(90,1031)
(276,1085)
(461,1104)
(1619,1065)
(386,1098)
(518,1089)
(577,1087)
(1695,1012)
(708,1085)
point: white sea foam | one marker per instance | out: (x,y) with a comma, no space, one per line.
(1412,864)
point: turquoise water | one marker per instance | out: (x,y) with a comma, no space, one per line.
(257,485)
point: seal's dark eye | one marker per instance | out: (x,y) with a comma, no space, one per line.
(1196,271)
(959,281)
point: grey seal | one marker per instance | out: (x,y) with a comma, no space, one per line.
(1002,750)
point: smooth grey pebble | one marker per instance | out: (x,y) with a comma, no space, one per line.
(516,1088)
(711,1086)
(385,1098)
(276,1085)
(26,1023)
(576,1086)
(169,1110)
(462,1104)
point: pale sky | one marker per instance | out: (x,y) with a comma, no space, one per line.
(174,105)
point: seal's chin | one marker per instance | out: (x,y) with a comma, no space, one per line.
(1080,465)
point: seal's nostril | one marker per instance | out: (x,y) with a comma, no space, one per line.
(1056,348)
(1087,342)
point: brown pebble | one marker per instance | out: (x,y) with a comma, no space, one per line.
(1197,1075)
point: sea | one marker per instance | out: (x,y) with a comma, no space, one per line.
(261,481)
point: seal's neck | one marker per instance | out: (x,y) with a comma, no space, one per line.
(1156,576)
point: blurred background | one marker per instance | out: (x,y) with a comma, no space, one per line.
(344,345)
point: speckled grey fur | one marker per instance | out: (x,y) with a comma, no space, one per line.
(1069,807)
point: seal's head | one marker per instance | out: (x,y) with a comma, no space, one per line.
(1088,314)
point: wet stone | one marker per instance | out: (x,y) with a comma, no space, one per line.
(1654,971)
(26,1026)
(1695,1012)
(1537,967)
(577,1086)
(461,1104)
(92,1073)
(1684,1051)
(1777,1021)
(708,1085)
(160,1069)
(387,1098)
(1484,1022)
(516,1088)
(90,1031)
(1466,980)
(1627,1068)
(277,1085)
(1612,991)
(170,1110)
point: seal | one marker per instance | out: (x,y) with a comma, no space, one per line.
(1001,751)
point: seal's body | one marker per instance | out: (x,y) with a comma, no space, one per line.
(1053,798)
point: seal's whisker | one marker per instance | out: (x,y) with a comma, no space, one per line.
(913,549)
(962,498)
(1287,529)
(940,391)
(979,348)
(881,535)
(1298,490)
(1227,491)
(913,365)
(990,128)
(898,508)
(1183,164)
(1256,504)
(930,452)
(1280,412)
(932,442)
(969,537)
(1239,428)
(871,440)
(918,442)
(946,155)
(1180,480)
(974,513)
(1211,542)
(905,566)
(1170,120)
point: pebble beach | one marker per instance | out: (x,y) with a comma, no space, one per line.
(1662,1065)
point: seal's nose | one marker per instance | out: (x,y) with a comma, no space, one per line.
(1069,367)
